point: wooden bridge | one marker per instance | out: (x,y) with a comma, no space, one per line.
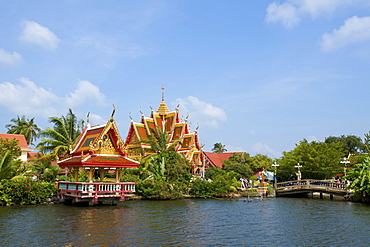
(303,187)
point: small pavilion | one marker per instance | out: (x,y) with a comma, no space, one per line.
(98,148)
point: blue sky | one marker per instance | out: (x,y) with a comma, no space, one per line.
(257,76)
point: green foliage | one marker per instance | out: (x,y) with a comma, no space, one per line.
(43,168)
(319,160)
(213,172)
(260,161)
(25,192)
(222,183)
(350,143)
(155,189)
(361,178)
(130,175)
(168,166)
(242,170)
(21,126)
(10,145)
(61,139)
(219,148)
(9,162)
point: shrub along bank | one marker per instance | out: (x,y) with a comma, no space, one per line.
(25,192)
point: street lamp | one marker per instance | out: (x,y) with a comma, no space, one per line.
(299,171)
(345,161)
(275,167)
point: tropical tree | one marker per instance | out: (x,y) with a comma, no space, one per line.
(165,163)
(238,163)
(9,162)
(352,144)
(361,178)
(165,173)
(23,126)
(219,148)
(260,161)
(59,140)
(319,160)
(10,145)
(8,165)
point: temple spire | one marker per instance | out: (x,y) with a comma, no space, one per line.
(163,109)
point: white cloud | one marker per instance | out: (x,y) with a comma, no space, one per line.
(96,119)
(354,30)
(317,7)
(85,91)
(201,112)
(291,12)
(232,149)
(285,13)
(34,33)
(29,99)
(10,59)
(262,148)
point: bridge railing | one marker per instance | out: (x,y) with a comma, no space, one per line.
(311,183)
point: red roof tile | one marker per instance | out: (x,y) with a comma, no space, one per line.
(215,160)
(21,139)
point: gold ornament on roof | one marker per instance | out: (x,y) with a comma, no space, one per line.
(163,109)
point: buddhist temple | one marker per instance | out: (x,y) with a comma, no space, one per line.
(185,141)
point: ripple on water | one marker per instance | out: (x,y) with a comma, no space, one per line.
(277,221)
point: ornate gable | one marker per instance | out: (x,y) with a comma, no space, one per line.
(109,140)
(99,146)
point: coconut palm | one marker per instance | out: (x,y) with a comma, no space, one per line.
(60,140)
(8,165)
(219,148)
(164,158)
(23,126)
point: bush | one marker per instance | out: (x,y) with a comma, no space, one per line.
(25,192)
(160,189)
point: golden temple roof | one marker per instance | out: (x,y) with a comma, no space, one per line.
(163,109)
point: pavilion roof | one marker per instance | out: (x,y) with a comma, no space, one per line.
(98,160)
(99,146)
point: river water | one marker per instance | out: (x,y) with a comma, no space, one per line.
(211,222)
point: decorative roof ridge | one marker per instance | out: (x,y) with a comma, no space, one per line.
(97,126)
(72,157)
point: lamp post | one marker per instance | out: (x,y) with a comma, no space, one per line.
(345,161)
(275,167)
(299,171)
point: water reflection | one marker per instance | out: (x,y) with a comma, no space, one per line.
(277,221)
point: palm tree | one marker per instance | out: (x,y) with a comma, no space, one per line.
(8,165)
(219,148)
(61,139)
(23,126)
(160,162)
